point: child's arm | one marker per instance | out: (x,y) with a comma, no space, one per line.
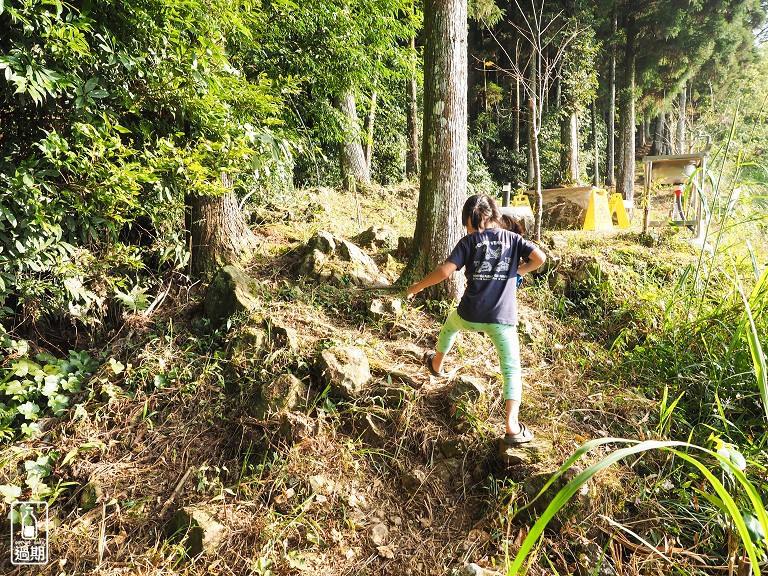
(435,277)
(535,259)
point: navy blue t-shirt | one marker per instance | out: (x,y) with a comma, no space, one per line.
(490,259)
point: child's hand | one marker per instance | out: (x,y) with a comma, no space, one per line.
(413,289)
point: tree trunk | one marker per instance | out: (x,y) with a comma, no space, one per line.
(443,185)
(516,116)
(569,138)
(218,231)
(595,146)
(626,173)
(610,150)
(682,146)
(353,165)
(412,120)
(532,123)
(369,120)
(658,136)
(533,145)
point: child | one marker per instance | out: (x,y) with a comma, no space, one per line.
(492,259)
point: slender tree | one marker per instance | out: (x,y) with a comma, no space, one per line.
(625,184)
(354,168)
(610,141)
(547,36)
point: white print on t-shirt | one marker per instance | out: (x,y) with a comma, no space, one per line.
(484,267)
(489,251)
(502,266)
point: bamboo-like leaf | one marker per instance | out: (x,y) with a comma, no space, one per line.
(723,499)
(758,356)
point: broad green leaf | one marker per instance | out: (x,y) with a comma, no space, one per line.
(755,529)
(10,492)
(29,410)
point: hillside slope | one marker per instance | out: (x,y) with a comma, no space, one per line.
(406,475)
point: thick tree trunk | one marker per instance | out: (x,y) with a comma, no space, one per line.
(369,122)
(682,145)
(218,231)
(569,139)
(412,120)
(610,150)
(443,185)
(626,173)
(353,165)
(533,145)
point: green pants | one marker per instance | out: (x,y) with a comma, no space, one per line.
(503,336)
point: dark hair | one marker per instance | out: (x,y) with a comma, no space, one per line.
(481,211)
(516,226)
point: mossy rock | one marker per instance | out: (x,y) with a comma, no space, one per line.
(197,529)
(231,291)
(284,393)
(345,370)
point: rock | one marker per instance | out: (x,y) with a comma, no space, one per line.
(363,269)
(529,330)
(386,552)
(473,569)
(283,336)
(373,429)
(449,471)
(467,389)
(376,310)
(593,560)
(91,494)
(404,246)
(323,241)
(295,427)
(391,396)
(284,393)
(577,508)
(246,347)
(230,291)
(381,308)
(332,258)
(378,237)
(345,370)
(196,528)
(528,453)
(453,448)
(412,479)
(315,265)
(558,242)
(379,534)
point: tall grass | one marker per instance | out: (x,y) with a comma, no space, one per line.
(710,355)
(728,458)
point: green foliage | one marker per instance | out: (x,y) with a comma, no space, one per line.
(746,510)
(32,390)
(479,180)
(113,115)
